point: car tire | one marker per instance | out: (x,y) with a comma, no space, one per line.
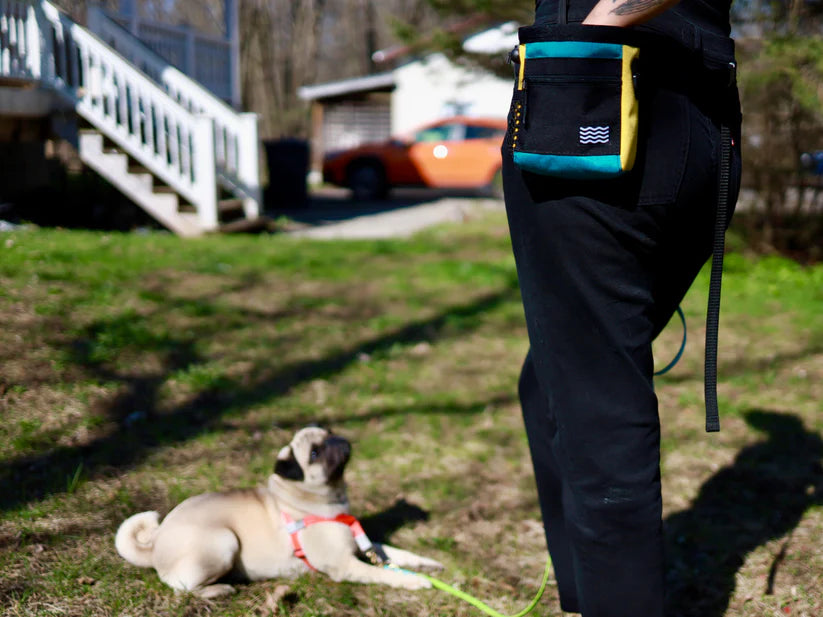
(367,181)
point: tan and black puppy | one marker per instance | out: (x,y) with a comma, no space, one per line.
(241,532)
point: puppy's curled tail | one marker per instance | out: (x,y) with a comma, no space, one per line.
(135,538)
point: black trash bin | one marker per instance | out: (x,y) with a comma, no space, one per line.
(288,165)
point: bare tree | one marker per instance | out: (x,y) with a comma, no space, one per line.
(286,44)
(204,15)
(279,51)
(77,8)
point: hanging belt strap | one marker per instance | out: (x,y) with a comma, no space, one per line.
(713,313)
(562,11)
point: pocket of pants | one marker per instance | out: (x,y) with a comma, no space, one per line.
(575,110)
(663,149)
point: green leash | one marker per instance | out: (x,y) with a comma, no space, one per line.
(679,355)
(438,584)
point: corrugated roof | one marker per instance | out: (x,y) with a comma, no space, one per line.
(347,86)
(490,41)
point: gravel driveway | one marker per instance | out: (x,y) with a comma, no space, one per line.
(338,218)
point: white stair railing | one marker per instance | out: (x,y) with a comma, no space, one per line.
(37,41)
(131,110)
(18,40)
(175,128)
(235,134)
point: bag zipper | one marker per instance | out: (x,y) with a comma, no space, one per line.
(572,79)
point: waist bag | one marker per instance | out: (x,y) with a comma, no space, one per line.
(575,107)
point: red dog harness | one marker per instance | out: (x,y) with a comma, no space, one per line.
(294,527)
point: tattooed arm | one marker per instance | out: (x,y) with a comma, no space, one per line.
(626,12)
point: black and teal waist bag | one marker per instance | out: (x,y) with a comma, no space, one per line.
(575,107)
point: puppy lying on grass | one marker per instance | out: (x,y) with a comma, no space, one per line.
(267,532)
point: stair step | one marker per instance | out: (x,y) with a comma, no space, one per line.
(90,140)
(137,168)
(111,149)
(117,161)
(145,179)
(261,223)
(163,207)
(225,206)
(166,202)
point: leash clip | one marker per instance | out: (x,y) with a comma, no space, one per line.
(514,55)
(513,60)
(377,558)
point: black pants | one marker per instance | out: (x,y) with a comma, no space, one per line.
(602,267)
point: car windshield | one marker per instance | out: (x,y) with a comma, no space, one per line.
(456,132)
(483,132)
(445,132)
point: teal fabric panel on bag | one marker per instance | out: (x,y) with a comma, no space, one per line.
(573,49)
(581,167)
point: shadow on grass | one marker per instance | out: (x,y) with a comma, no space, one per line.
(27,479)
(421,409)
(747,365)
(379,527)
(761,496)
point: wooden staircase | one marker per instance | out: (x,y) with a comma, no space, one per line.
(158,199)
(167,143)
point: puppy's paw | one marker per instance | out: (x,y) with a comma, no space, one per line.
(413,582)
(430,564)
(214,591)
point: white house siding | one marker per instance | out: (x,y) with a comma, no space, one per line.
(434,88)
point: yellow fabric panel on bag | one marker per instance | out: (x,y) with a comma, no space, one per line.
(628,111)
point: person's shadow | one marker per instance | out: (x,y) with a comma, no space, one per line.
(761,496)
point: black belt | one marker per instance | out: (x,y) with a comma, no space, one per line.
(695,33)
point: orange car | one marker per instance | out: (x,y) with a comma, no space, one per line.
(458,152)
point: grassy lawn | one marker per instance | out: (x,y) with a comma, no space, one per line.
(138,370)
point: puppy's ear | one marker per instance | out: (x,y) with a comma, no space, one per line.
(289,468)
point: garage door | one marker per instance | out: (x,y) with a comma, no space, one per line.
(349,124)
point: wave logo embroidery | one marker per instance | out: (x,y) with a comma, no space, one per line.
(594,134)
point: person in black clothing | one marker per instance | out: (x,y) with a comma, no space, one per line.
(603,265)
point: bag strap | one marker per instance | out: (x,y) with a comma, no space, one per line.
(562,12)
(718,249)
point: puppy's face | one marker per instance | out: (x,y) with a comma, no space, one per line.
(314,457)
